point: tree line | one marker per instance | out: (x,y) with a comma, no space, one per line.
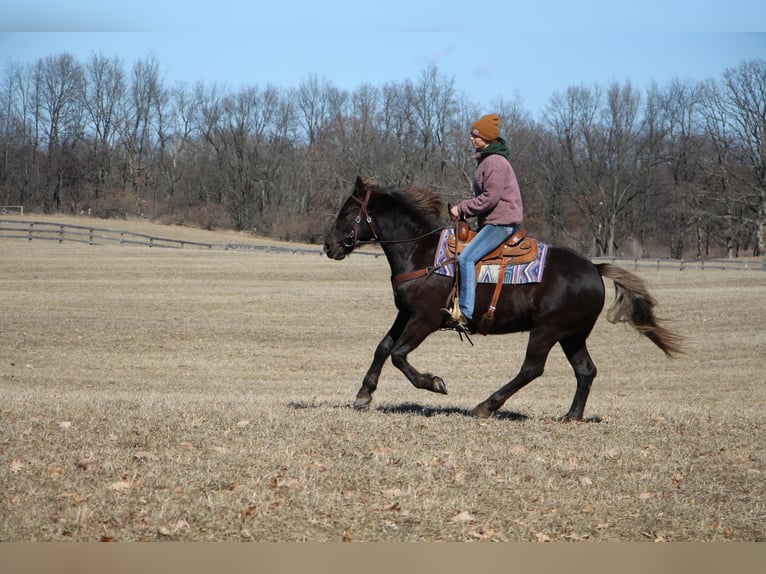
(676,170)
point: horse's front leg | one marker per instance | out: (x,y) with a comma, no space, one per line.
(382,352)
(404,336)
(415,332)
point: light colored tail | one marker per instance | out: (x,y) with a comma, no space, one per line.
(634,305)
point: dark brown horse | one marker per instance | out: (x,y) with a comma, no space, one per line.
(562,308)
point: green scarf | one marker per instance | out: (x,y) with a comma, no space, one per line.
(498,147)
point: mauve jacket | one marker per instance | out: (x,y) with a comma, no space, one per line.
(497,197)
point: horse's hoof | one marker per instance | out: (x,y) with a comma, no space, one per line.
(481,412)
(570,418)
(362,404)
(439,386)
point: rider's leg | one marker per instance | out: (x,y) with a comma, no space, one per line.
(488,237)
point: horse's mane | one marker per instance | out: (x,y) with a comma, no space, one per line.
(422,200)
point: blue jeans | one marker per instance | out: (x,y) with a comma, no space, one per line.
(488,237)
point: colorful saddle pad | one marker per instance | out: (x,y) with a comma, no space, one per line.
(521,274)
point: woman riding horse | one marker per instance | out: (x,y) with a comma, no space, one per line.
(497,204)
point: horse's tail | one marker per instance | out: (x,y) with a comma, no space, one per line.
(633,304)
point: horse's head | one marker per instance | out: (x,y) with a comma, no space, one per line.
(353,224)
(387,216)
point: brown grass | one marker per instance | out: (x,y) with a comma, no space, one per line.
(196,395)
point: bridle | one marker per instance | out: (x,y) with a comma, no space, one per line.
(351,240)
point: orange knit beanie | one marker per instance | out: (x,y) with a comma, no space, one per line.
(487,127)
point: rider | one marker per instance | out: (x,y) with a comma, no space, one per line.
(496,203)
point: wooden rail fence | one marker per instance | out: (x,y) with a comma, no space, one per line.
(41,230)
(61,232)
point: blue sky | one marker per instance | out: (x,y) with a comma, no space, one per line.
(492,49)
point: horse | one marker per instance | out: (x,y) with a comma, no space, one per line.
(562,308)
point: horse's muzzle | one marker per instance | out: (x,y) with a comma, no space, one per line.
(334,251)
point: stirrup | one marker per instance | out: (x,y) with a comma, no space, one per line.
(460,324)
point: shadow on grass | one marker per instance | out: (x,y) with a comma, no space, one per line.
(415,409)
(409,409)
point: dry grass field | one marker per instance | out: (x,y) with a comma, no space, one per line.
(197,395)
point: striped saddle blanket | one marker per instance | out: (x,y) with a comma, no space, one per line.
(519,274)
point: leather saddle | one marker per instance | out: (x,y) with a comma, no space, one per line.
(518,248)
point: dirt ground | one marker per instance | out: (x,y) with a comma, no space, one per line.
(200,395)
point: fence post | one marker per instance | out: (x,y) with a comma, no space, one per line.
(31,230)
(61,234)
(90,236)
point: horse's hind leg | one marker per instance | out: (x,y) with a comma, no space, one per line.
(576,352)
(534,364)
(382,352)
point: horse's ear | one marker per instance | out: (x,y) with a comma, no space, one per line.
(359,189)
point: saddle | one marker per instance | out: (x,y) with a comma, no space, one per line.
(517,249)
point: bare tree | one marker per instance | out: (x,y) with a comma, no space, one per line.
(744,107)
(60,90)
(138,121)
(607,153)
(21,167)
(104,96)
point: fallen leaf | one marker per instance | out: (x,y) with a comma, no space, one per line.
(541,537)
(290,483)
(464,516)
(572,536)
(571,463)
(645,495)
(120,485)
(65,424)
(585,480)
(392,492)
(144,455)
(611,453)
(481,533)
(381,451)
(16,466)
(243,424)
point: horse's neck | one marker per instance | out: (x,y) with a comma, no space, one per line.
(411,250)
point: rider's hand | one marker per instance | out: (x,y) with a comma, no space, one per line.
(453,213)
